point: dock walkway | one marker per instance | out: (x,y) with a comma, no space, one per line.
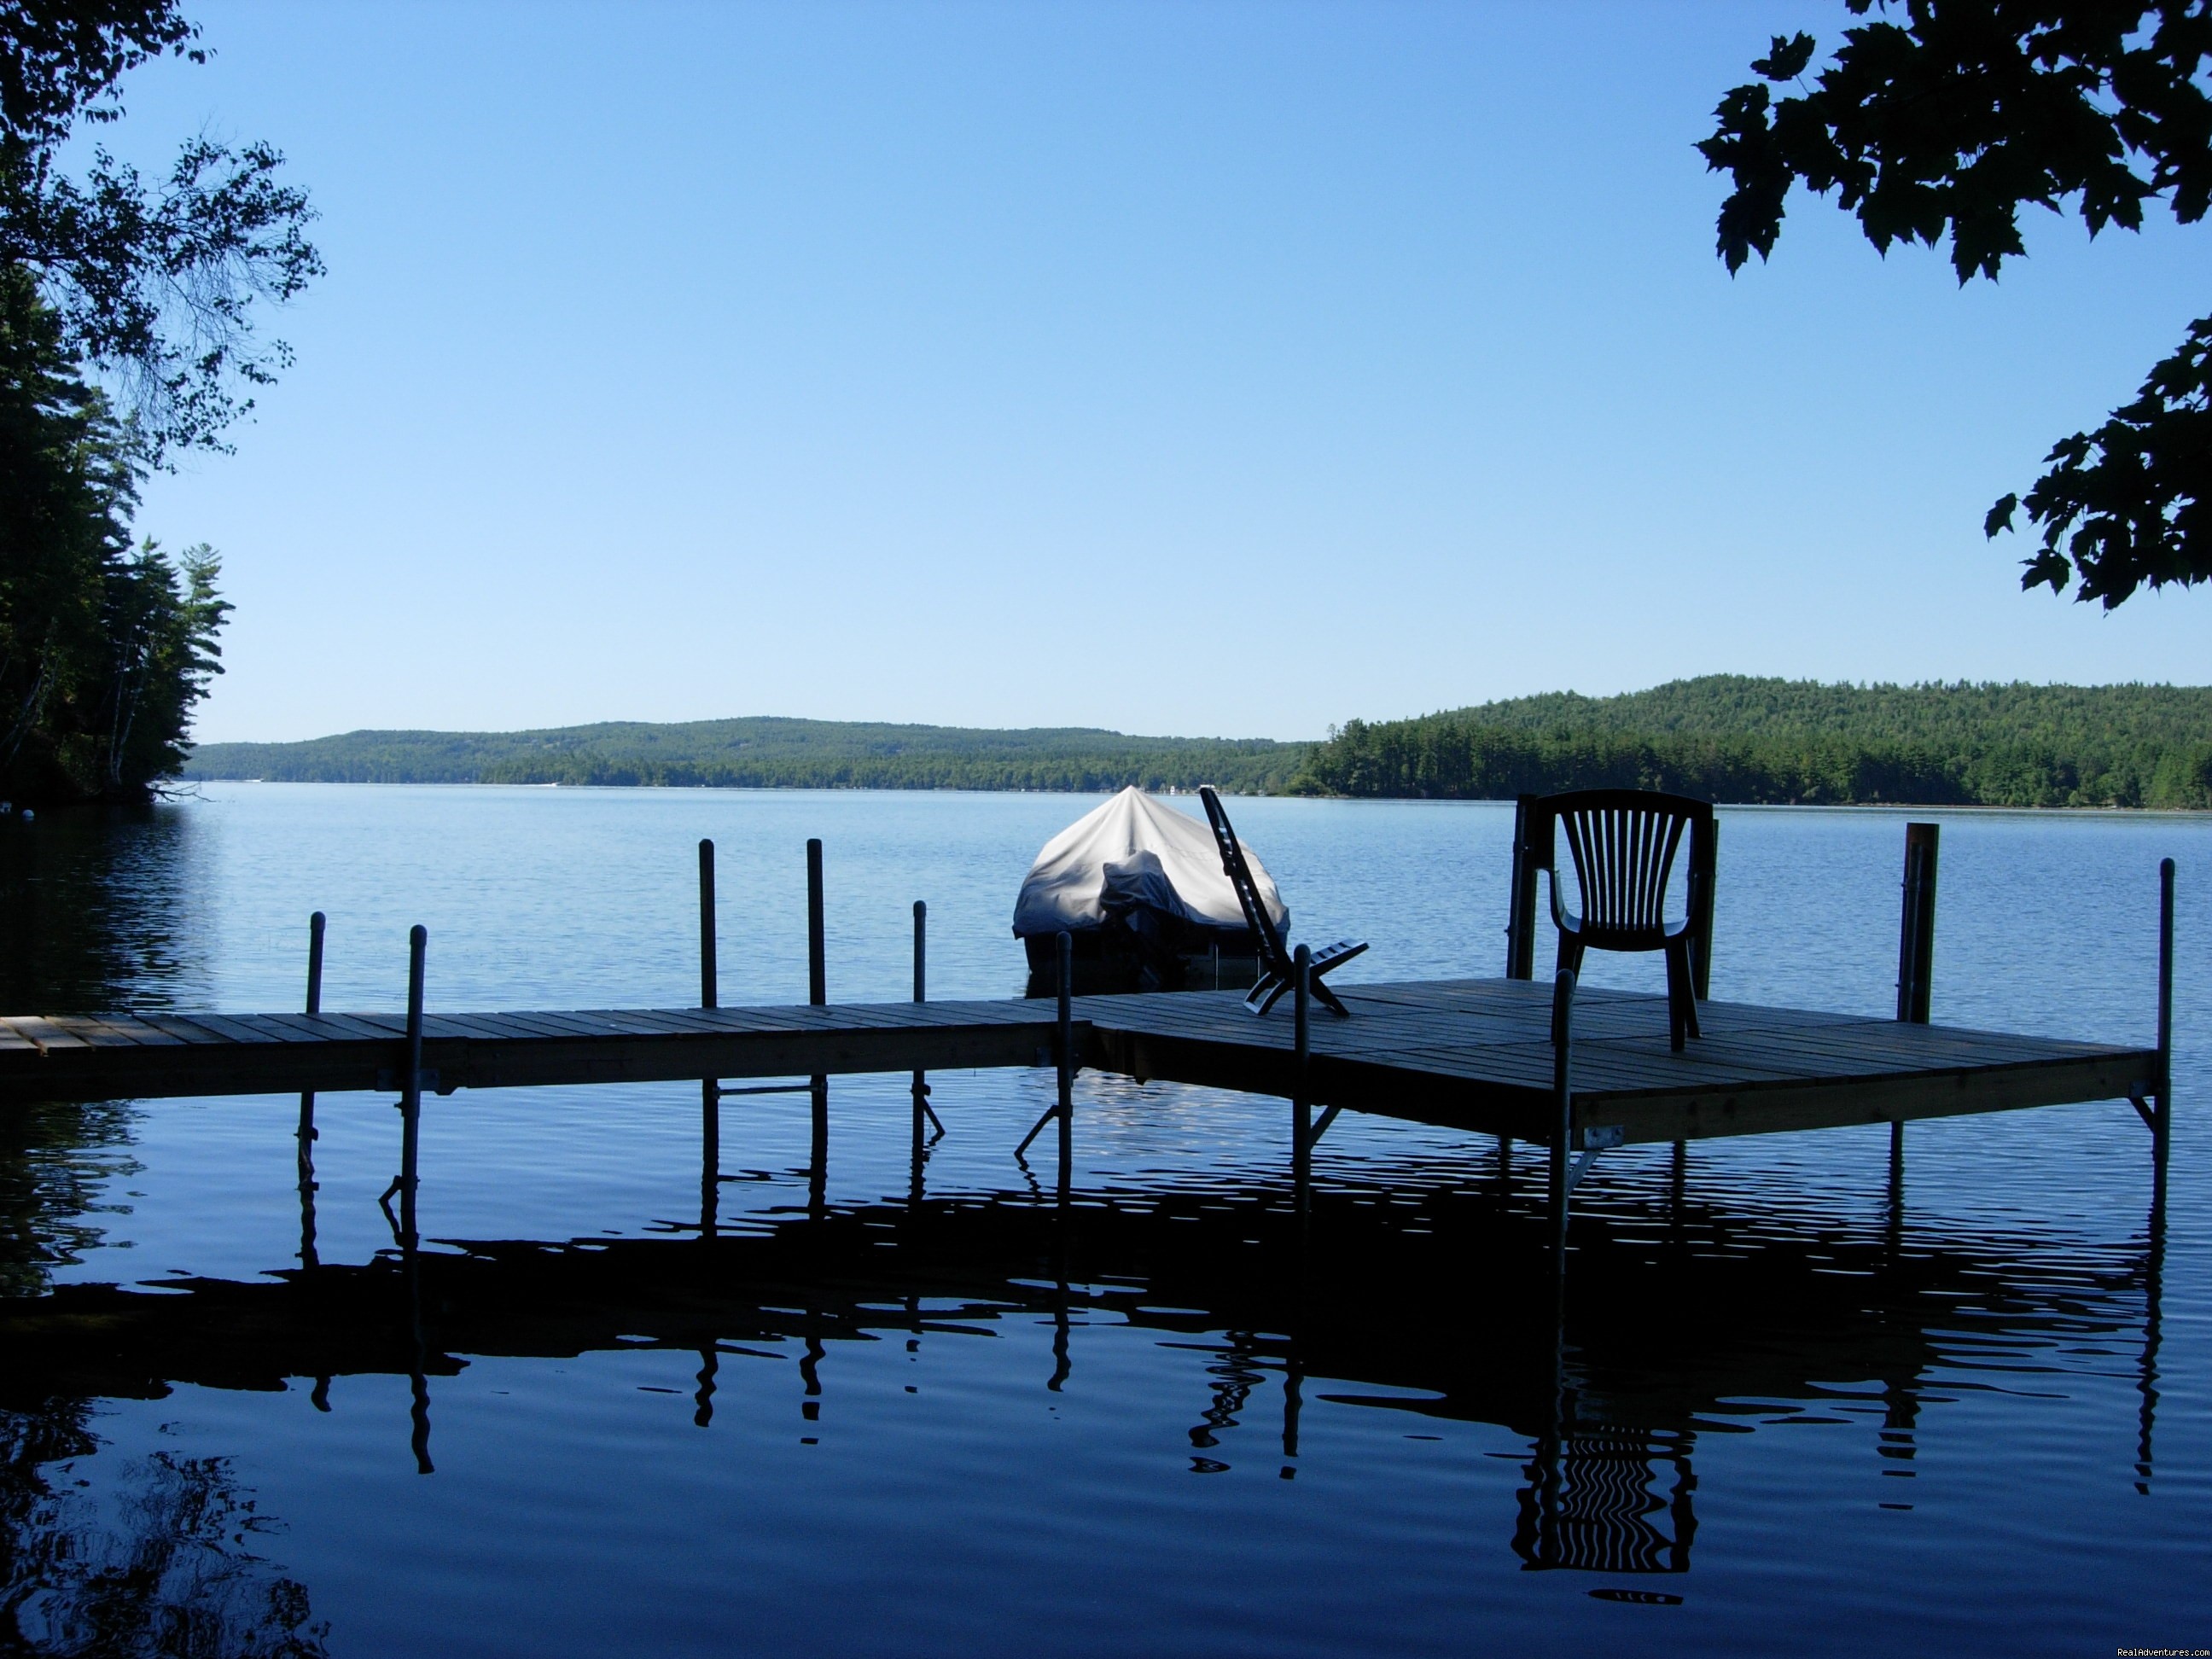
(1472,1053)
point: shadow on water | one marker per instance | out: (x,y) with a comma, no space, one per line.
(1687,1318)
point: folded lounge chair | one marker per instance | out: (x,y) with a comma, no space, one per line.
(1277,972)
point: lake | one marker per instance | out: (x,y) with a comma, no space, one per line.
(1799,1407)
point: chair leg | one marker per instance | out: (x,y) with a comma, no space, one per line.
(1681,995)
(1571,954)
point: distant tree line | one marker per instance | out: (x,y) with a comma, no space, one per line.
(767,754)
(1728,737)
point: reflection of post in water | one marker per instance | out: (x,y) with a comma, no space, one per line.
(703,1400)
(307,1133)
(418,1383)
(810,1373)
(1235,1374)
(2153,1288)
(1893,1221)
(1063,1363)
(1593,1502)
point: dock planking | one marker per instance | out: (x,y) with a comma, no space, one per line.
(1472,1053)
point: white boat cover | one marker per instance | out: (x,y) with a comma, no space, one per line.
(1136,850)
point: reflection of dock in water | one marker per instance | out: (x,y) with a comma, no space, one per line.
(1670,1335)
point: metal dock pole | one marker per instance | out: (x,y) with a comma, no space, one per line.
(2161,1128)
(1915,947)
(410,1098)
(710,1088)
(307,1130)
(817,995)
(1302,1099)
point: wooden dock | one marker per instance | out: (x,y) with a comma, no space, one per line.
(1472,1053)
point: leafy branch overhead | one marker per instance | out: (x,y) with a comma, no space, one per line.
(1944,118)
(156,285)
(127,333)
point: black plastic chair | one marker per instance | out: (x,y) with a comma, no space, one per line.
(1277,972)
(1623,843)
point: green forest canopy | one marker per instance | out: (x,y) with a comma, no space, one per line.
(1731,738)
(1728,737)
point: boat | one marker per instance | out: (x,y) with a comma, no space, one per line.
(1139,886)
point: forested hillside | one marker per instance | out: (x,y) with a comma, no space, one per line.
(1729,738)
(763,753)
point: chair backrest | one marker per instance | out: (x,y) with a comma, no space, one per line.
(1274,957)
(1623,843)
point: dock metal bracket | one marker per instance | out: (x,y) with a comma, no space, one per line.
(1579,1166)
(2145,1112)
(1320,1125)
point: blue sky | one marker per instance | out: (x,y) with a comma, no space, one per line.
(1178,367)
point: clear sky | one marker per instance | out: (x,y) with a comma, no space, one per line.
(1180,367)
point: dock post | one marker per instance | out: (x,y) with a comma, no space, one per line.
(817,995)
(2161,1128)
(710,1088)
(1521,903)
(1563,1101)
(1302,1099)
(1067,1045)
(307,1130)
(1916,951)
(1704,868)
(1916,940)
(410,1098)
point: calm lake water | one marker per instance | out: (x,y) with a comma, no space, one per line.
(1800,1409)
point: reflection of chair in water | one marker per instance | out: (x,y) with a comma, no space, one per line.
(1277,972)
(1623,843)
(1591,1503)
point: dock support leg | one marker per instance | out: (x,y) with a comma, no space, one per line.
(1563,1100)
(817,995)
(1066,1047)
(308,1136)
(710,1089)
(1302,1134)
(1551,1448)
(1063,1107)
